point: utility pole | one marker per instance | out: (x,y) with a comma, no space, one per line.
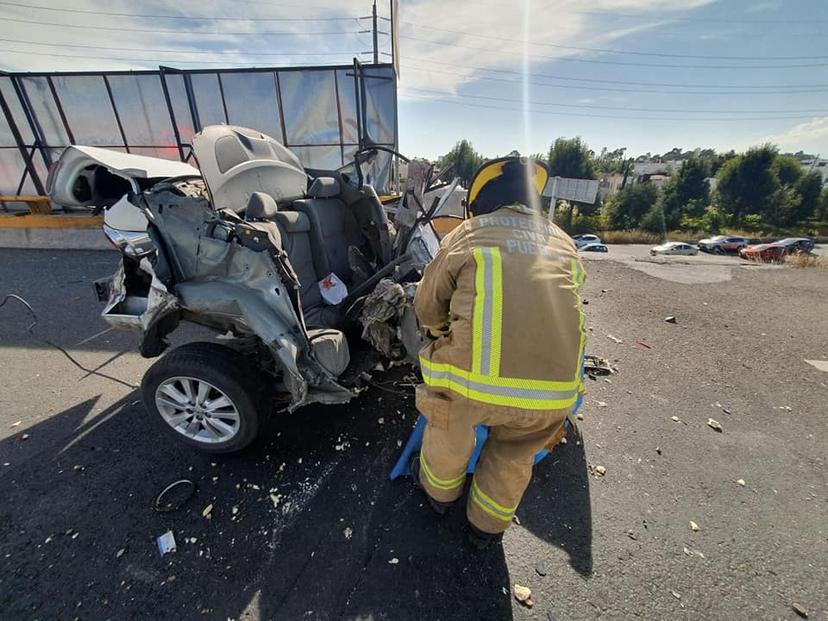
(374,18)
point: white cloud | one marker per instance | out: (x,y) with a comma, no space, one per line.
(809,136)
(435,59)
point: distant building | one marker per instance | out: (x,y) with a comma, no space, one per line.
(609,184)
(818,165)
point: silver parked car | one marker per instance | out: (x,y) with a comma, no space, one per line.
(723,243)
(679,248)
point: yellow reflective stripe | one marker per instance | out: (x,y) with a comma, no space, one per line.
(497,311)
(477,315)
(458,381)
(578,275)
(503,382)
(497,511)
(443,484)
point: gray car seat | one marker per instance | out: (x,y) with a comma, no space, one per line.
(333,228)
(294,229)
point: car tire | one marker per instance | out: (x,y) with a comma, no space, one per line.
(226,377)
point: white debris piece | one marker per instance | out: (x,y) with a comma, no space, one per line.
(166,543)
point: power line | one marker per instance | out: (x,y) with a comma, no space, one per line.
(187,17)
(615,51)
(622,108)
(154,61)
(607,116)
(614,89)
(624,82)
(613,62)
(717,20)
(178,32)
(178,51)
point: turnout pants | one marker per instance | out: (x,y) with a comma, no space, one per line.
(505,465)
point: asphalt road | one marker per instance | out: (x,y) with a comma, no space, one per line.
(307,524)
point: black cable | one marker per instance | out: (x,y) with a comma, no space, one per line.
(153,61)
(612,51)
(175,51)
(622,108)
(627,82)
(627,118)
(612,62)
(176,32)
(612,89)
(30,330)
(185,17)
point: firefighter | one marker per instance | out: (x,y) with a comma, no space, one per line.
(501,301)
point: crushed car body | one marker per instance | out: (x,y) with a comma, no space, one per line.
(279,259)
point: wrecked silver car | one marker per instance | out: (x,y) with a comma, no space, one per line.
(280,261)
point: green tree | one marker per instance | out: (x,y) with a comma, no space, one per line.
(788,169)
(809,188)
(626,209)
(462,160)
(822,211)
(571,158)
(684,195)
(748,183)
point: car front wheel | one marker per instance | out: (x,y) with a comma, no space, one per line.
(206,395)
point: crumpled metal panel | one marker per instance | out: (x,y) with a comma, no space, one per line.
(124,314)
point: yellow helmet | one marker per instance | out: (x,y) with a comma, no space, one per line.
(504,181)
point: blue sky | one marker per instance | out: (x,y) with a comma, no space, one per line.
(649,75)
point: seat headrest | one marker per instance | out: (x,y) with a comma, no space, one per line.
(324,187)
(292,221)
(261,206)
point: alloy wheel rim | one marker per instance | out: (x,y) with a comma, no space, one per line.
(197,409)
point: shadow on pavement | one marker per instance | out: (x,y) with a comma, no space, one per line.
(556,507)
(306,524)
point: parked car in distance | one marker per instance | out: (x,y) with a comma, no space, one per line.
(583,240)
(679,248)
(776,251)
(793,245)
(723,243)
(593,248)
(754,252)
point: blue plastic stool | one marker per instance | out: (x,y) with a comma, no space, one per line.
(415,440)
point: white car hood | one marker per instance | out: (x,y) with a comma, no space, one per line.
(76,160)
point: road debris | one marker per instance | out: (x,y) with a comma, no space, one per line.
(675,594)
(348,532)
(694,527)
(523,595)
(798,609)
(16,424)
(207,511)
(184,490)
(541,569)
(595,365)
(600,471)
(23,437)
(394,561)
(671,319)
(691,552)
(740,482)
(714,424)
(601,404)
(614,339)
(120,553)
(166,543)
(675,419)
(643,344)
